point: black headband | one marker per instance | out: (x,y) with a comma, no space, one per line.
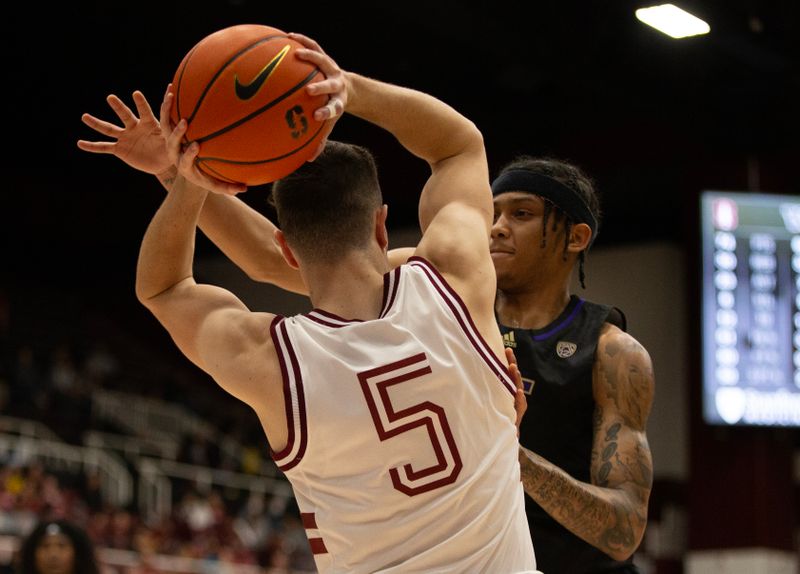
(550,189)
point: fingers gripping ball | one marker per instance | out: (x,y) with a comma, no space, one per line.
(242,92)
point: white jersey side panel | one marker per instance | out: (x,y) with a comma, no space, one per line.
(402,449)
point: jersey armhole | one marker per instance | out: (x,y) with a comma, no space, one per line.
(617,318)
(293,396)
(462,315)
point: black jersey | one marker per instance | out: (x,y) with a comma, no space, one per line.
(556,365)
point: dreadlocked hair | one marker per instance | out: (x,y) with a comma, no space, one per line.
(574,178)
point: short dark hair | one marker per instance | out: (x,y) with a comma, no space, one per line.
(85,560)
(327,207)
(571,176)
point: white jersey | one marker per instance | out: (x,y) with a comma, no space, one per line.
(402,449)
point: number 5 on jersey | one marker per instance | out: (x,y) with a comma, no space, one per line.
(375,383)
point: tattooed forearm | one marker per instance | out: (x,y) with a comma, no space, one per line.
(608,453)
(600,516)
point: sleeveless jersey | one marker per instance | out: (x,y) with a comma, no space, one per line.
(402,449)
(556,365)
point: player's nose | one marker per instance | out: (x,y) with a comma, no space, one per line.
(500,227)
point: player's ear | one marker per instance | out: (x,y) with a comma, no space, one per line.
(381,234)
(579,237)
(286,251)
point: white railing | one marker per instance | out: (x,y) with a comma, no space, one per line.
(155,487)
(162,422)
(27,427)
(132,446)
(116,481)
(147,417)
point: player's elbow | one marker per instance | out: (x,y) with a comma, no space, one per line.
(473,136)
(466,140)
(145,297)
(631,536)
(152,295)
(623,553)
(142,294)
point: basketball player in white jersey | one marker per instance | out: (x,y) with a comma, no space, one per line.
(389,407)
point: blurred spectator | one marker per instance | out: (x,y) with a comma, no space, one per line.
(199,450)
(64,376)
(121,529)
(251,459)
(57,547)
(100,364)
(92,492)
(252,525)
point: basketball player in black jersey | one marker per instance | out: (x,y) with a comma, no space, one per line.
(586,463)
(586,466)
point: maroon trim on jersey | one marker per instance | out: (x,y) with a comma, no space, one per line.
(309,519)
(317,546)
(326,318)
(391,281)
(472,333)
(280,339)
(427,422)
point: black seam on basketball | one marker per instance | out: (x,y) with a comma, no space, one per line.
(213,172)
(180,81)
(259,161)
(224,66)
(261,110)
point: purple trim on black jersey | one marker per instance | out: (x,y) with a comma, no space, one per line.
(464,318)
(564,324)
(287,358)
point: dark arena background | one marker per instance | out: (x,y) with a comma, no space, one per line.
(102,421)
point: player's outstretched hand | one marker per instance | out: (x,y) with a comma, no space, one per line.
(184,158)
(138,141)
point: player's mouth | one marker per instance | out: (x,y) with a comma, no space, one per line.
(500,252)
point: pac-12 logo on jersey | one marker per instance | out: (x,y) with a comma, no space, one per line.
(565,349)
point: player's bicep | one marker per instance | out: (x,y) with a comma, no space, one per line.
(464,179)
(623,386)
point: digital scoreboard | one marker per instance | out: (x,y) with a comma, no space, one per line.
(750,308)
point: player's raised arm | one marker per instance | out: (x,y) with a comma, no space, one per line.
(455,207)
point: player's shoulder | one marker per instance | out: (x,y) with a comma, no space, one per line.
(253,336)
(614,345)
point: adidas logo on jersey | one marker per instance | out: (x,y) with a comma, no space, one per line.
(509,341)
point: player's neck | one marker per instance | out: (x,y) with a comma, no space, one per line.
(351,288)
(532,308)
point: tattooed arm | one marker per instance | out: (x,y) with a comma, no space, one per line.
(611,512)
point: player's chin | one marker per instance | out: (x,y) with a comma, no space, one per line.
(502,260)
(505,277)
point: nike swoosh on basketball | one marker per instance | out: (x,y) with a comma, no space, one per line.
(247,91)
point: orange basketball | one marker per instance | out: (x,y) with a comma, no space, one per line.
(242,92)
